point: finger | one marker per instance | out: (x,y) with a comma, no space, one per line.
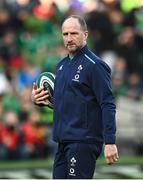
(42,98)
(108,161)
(33,96)
(43,94)
(45,103)
(115,157)
(35,92)
(111,161)
(41,91)
(35,86)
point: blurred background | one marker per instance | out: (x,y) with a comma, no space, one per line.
(30,43)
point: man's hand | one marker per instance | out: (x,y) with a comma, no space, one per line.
(39,96)
(111,153)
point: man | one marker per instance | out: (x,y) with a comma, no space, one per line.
(84,109)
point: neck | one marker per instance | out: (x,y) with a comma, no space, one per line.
(71,56)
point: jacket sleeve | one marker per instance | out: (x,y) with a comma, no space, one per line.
(101,84)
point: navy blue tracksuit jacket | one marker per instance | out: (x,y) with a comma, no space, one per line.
(84,109)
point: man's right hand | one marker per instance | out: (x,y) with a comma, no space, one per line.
(39,95)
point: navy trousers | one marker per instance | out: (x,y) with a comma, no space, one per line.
(76,160)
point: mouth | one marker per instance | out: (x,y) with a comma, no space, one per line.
(70,45)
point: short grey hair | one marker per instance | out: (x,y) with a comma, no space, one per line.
(81,21)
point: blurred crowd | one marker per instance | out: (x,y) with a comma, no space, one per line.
(31,42)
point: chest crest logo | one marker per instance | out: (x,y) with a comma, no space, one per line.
(77,75)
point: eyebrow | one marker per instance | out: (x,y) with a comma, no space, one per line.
(74,32)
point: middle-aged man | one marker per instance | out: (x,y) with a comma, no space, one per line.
(84,109)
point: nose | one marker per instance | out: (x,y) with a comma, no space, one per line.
(69,38)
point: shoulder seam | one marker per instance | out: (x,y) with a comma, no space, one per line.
(91,60)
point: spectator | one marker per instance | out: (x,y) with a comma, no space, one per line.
(119,76)
(27,75)
(10,137)
(134,86)
(127,47)
(34,137)
(101,30)
(10,49)
(6,21)
(5,86)
(25,104)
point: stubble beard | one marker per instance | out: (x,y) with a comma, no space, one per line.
(73,50)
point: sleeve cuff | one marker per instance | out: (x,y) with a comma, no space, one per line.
(110,139)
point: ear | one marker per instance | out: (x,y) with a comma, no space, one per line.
(86,34)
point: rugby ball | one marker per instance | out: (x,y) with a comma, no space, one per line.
(46,80)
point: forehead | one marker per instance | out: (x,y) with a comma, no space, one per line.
(71,23)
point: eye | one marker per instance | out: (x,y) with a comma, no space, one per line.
(74,33)
(65,34)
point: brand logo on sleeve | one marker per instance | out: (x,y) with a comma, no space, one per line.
(60,68)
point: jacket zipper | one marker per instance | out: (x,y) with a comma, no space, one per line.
(64,87)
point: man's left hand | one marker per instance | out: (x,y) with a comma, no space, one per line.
(111,153)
